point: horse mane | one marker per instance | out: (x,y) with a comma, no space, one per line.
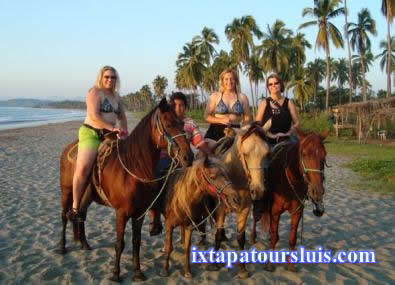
(184,184)
(136,149)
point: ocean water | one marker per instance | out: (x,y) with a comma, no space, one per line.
(18,117)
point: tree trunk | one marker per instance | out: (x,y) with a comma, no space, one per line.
(389,57)
(350,80)
(328,79)
(364,95)
(253,99)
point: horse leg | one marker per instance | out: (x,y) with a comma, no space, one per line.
(136,227)
(120,243)
(168,248)
(275,220)
(241,237)
(86,201)
(295,218)
(67,200)
(187,249)
(253,231)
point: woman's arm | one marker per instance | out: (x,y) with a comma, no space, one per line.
(261,111)
(294,116)
(93,109)
(123,122)
(210,111)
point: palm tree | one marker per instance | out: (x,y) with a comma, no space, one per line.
(297,51)
(160,84)
(350,75)
(384,55)
(205,43)
(146,96)
(254,71)
(303,89)
(364,62)
(323,12)
(275,47)
(240,33)
(316,72)
(360,39)
(340,74)
(388,10)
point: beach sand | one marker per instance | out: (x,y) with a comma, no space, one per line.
(30,227)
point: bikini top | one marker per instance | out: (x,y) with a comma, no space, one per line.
(106,107)
(223,109)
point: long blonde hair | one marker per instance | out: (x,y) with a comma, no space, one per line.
(235,77)
(99,79)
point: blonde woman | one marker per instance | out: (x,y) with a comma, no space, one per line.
(228,107)
(104,110)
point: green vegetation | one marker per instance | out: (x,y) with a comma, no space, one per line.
(375,163)
(319,122)
(67,104)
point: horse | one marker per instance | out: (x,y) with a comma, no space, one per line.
(183,202)
(296,173)
(244,162)
(127,179)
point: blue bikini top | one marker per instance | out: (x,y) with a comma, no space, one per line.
(223,109)
(106,107)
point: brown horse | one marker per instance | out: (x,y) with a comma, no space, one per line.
(183,202)
(296,172)
(244,162)
(127,178)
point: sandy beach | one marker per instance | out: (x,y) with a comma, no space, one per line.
(30,227)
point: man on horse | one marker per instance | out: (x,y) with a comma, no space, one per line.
(179,103)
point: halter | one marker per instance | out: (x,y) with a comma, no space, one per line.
(305,169)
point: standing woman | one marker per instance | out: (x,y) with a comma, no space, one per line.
(279,113)
(228,107)
(104,109)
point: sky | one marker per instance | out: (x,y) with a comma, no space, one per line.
(54,49)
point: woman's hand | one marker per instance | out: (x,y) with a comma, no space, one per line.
(121,133)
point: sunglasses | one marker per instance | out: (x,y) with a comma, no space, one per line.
(108,77)
(274,83)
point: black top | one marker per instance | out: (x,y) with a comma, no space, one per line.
(281,116)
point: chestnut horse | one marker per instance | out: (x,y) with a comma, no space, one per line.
(127,178)
(244,162)
(296,172)
(183,202)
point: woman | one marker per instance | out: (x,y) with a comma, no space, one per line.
(276,113)
(228,107)
(104,109)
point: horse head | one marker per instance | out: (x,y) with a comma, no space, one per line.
(168,133)
(312,159)
(214,179)
(253,151)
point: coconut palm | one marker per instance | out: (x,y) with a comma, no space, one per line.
(360,39)
(323,12)
(350,75)
(205,43)
(340,74)
(240,33)
(388,10)
(297,51)
(274,49)
(316,72)
(384,55)
(363,62)
(254,72)
(302,87)
(160,84)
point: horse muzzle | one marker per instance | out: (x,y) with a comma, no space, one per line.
(319,208)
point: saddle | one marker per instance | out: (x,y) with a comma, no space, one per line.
(106,147)
(226,142)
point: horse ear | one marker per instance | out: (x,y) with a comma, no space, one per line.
(163,106)
(324,135)
(300,134)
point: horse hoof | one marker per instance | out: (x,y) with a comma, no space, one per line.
(115,278)
(85,246)
(243,275)
(61,251)
(269,267)
(164,273)
(187,274)
(139,276)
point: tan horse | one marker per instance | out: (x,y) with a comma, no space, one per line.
(244,162)
(127,179)
(183,202)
